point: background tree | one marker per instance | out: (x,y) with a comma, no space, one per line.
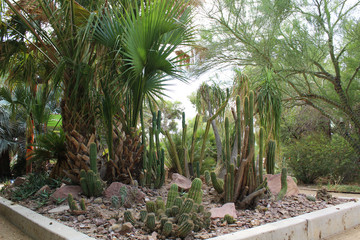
(310,46)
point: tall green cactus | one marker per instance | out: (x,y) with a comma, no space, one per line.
(283,189)
(261,147)
(217,183)
(251,144)
(172,194)
(270,157)
(185,229)
(195,191)
(154,161)
(93,157)
(238,130)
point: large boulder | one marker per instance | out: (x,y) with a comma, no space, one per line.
(64,191)
(220,212)
(182,182)
(274,184)
(134,195)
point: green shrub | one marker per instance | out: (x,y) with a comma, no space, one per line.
(316,155)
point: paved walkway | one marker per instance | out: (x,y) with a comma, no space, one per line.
(350,234)
(10,232)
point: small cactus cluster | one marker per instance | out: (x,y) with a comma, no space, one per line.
(117,202)
(90,181)
(73,206)
(178,217)
(229,219)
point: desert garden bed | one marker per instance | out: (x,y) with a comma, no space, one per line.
(102,221)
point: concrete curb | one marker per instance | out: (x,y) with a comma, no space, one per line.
(37,226)
(311,226)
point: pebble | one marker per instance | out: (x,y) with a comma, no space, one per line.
(116,227)
(98,200)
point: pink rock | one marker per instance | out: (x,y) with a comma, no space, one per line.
(134,195)
(45,188)
(228,208)
(64,191)
(274,184)
(19,181)
(181,181)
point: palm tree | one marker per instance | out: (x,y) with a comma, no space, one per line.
(140,40)
(11,132)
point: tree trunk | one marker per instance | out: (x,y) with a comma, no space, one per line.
(5,165)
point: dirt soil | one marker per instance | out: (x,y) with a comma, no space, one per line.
(101,221)
(9,231)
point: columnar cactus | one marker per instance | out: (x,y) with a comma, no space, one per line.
(154,157)
(160,203)
(207,177)
(82,204)
(185,229)
(270,157)
(93,157)
(150,221)
(261,147)
(90,181)
(218,185)
(128,217)
(167,228)
(172,194)
(72,203)
(283,189)
(195,191)
(187,206)
(150,207)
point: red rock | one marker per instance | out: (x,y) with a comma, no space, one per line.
(181,181)
(134,195)
(64,191)
(274,184)
(228,208)
(19,181)
(45,188)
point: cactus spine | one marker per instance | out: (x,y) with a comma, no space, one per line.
(270,157)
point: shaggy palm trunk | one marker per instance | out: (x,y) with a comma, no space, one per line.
(78,123)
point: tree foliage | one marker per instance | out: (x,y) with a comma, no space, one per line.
(310,46)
